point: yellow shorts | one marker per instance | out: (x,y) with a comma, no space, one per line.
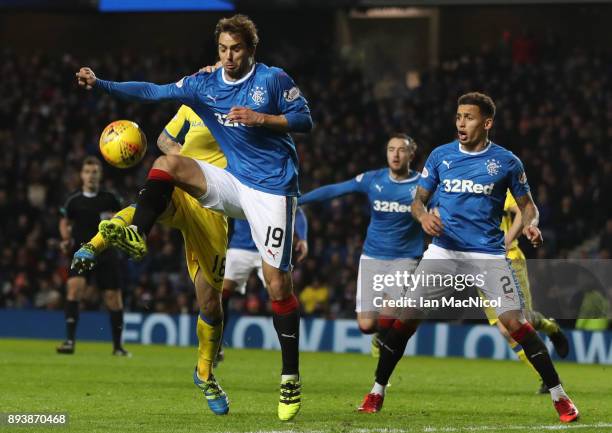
(205,235)
(519,266)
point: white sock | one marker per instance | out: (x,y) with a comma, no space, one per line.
(557,393)
(285,377)
(378,389)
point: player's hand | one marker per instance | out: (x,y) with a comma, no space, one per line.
(210,69)
(86,78)
(432,224)
(301,250)
(507,243)
(246,116)
(66,245)
(534,235)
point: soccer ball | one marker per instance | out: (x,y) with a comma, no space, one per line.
(123,144)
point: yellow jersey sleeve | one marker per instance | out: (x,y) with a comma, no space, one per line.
(510,201)
(178,127)
(506,223)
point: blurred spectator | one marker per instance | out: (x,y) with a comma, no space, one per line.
(314,298)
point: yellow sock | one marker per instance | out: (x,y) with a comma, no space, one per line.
(98,242)
(125,216)
(521,355)
(209,339)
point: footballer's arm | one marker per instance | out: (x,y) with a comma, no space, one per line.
(531,218)
(293,122)
(149,92)
(167,145)
(431,223)
(140,90)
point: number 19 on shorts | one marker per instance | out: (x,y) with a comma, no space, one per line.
(274,237)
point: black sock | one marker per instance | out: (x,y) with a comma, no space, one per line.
(391,351)
(286,319)
(116,320)
(538,355)
(71,314)
(152,201)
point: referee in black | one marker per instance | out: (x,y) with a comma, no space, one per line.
(81,215)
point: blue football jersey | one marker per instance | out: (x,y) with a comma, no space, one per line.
(392,232)
(470,190)
(259,157)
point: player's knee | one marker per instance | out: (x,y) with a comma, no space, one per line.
(279,285)
(73,290)
(211,306)
(113,300)
(212,310)
(512,322)
(278,289)
(229,287)
(168,163)
(367,327)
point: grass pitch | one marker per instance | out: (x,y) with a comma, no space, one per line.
(153,392)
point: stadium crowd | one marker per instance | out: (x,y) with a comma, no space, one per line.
(554,112)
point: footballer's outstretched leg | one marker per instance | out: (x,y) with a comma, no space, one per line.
(126,238)
(523,333)
(153,199)
(168,171)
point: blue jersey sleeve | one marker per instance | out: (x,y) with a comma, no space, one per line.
(331,191)
(429,177)
(290,102)
(518,179)
(185,90)
(301,224)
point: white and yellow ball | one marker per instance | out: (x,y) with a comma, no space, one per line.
(123,144)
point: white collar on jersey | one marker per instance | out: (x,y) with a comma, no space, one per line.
(242,80)
(480,152)
(90,194)
(410,179)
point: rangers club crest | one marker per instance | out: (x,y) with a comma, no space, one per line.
(493,166)
(258,95)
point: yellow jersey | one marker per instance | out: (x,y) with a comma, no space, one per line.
(197,141)
(204,231)
(514,252)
